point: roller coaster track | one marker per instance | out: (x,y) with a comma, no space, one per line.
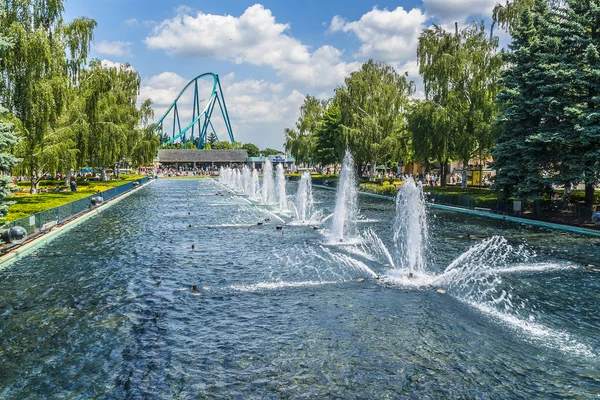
(201,120)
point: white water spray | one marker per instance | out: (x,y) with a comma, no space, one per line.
(304,199)
(281,195)
(410,228)
(268,187)
(346,210)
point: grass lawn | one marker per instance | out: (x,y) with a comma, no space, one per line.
(27,204)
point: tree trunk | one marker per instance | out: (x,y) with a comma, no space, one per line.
(102,174)
(537,208)
(589,195)
(444,171)
(373,170)
(464,175)
(35,182)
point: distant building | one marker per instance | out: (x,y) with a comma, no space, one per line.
(200,158)
(257,162)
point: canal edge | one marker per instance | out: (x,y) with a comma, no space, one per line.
(7,259)
(541,224)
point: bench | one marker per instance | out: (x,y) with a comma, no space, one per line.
(482,209)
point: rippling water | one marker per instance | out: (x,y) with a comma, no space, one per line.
(106,310)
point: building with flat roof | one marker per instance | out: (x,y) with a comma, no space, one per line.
(257,162)
(199,158)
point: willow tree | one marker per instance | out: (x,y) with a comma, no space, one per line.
(460,73)
(143,144)
(429,125)
(38,74)
(108,99)
(508,14)
(372,102)
(300,141)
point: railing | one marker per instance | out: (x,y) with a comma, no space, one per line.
(45,220)
(552,211)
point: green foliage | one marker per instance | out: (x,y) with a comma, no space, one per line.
(550,119)
(270,152)
(508,15)
(386,189)
(24,205)
(38,73)
(212,139)
(222,146)
(460,74)
(300,142)
(8,138)
(252,149)
(329,137)
(372,102)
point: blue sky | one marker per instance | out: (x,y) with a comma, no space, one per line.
(268,55)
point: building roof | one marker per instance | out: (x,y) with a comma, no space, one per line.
(202,156)
(272,158)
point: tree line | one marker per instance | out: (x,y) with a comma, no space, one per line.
(65,112)
(532,107)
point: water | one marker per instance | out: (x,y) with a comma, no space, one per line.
(304,201)
(410,228)
(100,311)
(255,185)
(281,195)
(343,225)
(268,188)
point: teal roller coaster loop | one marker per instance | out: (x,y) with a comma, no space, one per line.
(201,119)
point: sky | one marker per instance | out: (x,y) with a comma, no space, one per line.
(268,55)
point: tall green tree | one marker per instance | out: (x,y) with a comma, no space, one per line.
(143,144)
(109,101)
(300,141)
(330,137)
(508,14)
(461,73)
(8,139)
(252,149)
(532,117)
(212,139)
(373,102)
(428,124)
(579,39)
(37,76)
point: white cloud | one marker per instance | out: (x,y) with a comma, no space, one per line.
(116,48)
(337,24)
(449,11)
(255,37)
(112,64)
(385,35)
(132,22)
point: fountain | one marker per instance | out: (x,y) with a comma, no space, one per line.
(304,198)
(410,227)
(246,177)
(346,210)
(268,187)
(254,185)
(281,195)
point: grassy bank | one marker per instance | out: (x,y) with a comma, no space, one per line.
(27,204)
